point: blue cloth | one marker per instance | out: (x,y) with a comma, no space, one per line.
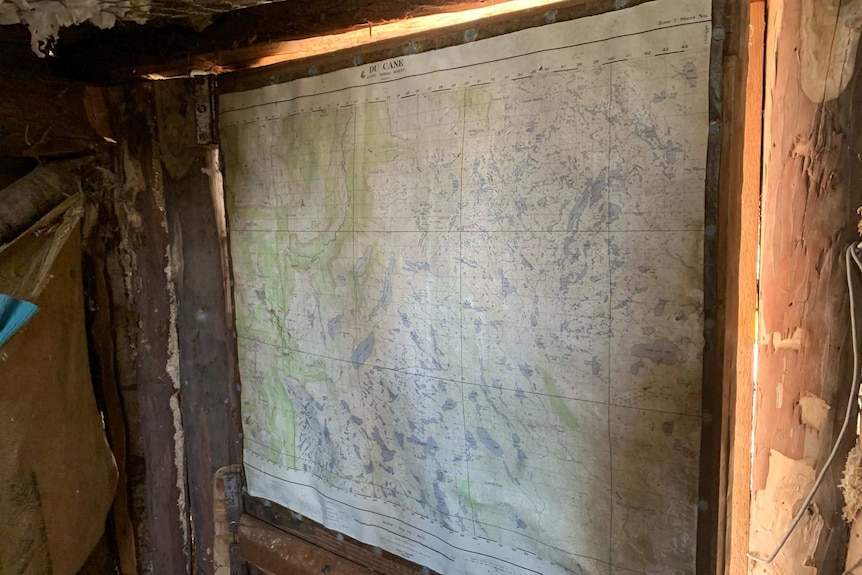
(14,313)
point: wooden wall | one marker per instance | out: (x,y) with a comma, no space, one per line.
(161,328)
(159,270)
(42,116)
(811,191)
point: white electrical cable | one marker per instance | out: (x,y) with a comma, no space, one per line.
(854,391)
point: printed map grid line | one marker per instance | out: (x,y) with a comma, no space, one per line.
(610,307)
(461,298)
(478,385)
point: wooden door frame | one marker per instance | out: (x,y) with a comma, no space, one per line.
(728,262)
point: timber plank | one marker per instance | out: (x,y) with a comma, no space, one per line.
(260,35)
(232,40)
(307,530)
(278,553)
(42,115)
(134,227)
(742,229)
(725,102)
(248,78)
(207,350)
(105,384)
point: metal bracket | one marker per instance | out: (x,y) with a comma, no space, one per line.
(233,498)
(206,126)
(227,514)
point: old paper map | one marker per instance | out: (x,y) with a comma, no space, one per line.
(468,292)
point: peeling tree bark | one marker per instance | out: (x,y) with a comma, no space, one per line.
(810,194)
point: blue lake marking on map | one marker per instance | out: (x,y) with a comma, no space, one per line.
(506,288)
(471,441)
(489,442)
(417,266)
(333,324)
(385,452)
(386,296)
(363,350)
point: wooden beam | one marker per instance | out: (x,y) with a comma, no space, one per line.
(100,339)
(208,366)
(280,553)
(723,157)
(37,193)
(417,41)
(378,560)
(232,40)
(252,37)
(43,116)
(811,190)
(134,227)
(742,231)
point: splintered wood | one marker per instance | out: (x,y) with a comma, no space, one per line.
(810,196)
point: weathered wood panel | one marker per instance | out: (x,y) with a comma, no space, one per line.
(307,530)
(726,101)
(741,232)
(278,553)
(43,116)
(810,194)
(134,227)
(207,349)
(106,386)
